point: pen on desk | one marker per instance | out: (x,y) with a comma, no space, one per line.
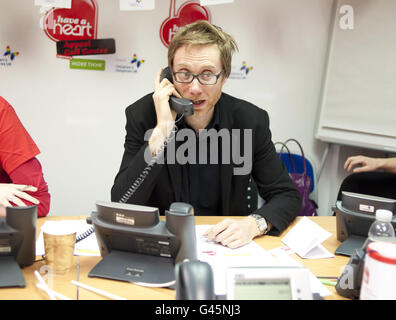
(327,282)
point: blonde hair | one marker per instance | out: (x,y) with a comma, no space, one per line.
(203,32)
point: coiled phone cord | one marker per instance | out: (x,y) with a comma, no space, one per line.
(136,184)
(85,234)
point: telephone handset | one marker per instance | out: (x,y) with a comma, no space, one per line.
(194,280)
(180,105)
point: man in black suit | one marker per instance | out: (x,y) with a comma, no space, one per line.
(199,57)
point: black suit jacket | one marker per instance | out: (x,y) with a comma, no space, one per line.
(162,185)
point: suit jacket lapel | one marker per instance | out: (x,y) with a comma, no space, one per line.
(175,170)
(175,177)
(226,122)
(225,180)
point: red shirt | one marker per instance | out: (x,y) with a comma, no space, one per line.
(17,157)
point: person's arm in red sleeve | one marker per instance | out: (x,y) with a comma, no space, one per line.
(30,173)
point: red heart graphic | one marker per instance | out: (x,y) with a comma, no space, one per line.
(188,12)
(78,23)
(191,12)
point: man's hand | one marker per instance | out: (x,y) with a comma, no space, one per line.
(165,115)
(162,91)
(13,193)
(233,233)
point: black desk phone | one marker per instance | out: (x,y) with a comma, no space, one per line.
(17,244)
(180,105)
(349,283)
(136,246)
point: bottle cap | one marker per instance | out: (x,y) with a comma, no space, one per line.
(384,215)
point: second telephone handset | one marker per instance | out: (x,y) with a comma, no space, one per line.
(180,105)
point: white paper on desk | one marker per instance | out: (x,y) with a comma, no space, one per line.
(86,247)
(220,257)
(281,251)
(305,239)
(212,249)
(314,282)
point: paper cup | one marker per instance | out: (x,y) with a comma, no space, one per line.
(59,241)
(379,273)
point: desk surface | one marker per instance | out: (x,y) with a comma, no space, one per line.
(331,267)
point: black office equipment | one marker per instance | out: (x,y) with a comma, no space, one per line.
(349,283)
(354,215)
(137,246)
(194,281)
(374,183)
(17,244)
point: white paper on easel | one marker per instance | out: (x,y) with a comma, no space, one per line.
(305,239)
(53,3)
(213,2)
(130,5)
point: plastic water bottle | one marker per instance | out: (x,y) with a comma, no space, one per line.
(382,226)
(379,263)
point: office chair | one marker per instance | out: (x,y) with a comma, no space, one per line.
(289,155)
(254,200)
(374,183)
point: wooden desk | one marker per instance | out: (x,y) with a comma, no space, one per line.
(62,284)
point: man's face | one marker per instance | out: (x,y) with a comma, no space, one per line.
(197,59)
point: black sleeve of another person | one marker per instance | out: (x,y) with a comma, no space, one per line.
(140,117)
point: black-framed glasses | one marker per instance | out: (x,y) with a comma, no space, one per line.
(205,78)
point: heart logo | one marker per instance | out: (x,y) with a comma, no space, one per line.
(78,23)
(188,12)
